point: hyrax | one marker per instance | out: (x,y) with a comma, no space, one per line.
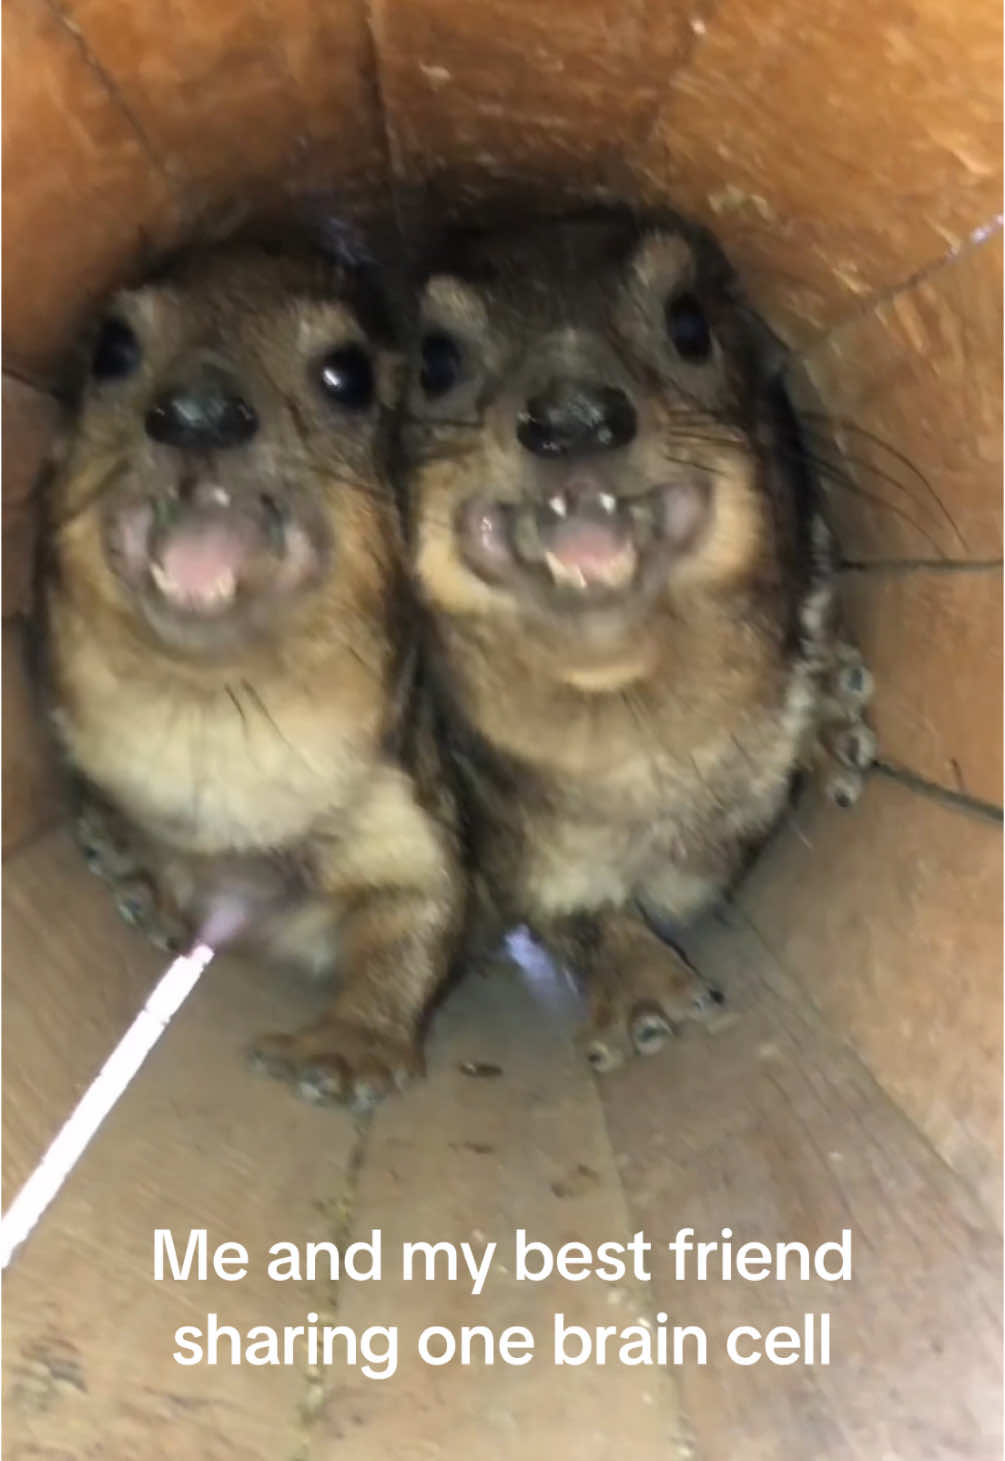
(227,646)
(628,578)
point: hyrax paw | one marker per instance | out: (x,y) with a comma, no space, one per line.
(622,1027)
(846,687)
(850,684)
(844,787)
(845,744)
(106,849)
(339,1063)
(136,900)
(854,746)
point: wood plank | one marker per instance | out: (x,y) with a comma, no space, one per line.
(82,195)
(238,101)
(896,936)
(508,102)
(773,1129)
(197,1141)
(74,976)
(917,384)
(770,1126)
(906,155)
(472,1158)
(31,792)
(933,641)
(30,420)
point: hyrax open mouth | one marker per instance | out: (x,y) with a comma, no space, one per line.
(202,555)
(589,539)
(583,540)
(197,562)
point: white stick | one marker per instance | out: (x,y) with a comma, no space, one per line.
(171,991)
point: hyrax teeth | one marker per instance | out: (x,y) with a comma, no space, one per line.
(608,502)
(558,504)
(218,592)
(615,574)
(570,575)
(220,496)
(221,589)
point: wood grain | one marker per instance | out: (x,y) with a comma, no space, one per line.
(915,389)
(934,643)
(838,154)
(83,196)
(197,1141)
(30,421)
(889,917)
(31,794)
(773,1129)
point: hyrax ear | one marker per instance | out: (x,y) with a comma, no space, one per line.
(662,260)
(453,305)
(767,352)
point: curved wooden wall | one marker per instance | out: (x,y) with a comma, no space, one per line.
(849,155)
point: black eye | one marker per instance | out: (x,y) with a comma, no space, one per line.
(347,376)
(688,327)
(116,353)
(441,364)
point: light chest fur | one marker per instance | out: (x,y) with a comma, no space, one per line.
(256,764)
(607,807)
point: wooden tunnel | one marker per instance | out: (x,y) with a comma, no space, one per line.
(849,157)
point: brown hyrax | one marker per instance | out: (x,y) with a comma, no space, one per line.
(629,583)
(228,646)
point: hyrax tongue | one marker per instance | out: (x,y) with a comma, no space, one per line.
(589,543)
(197,561)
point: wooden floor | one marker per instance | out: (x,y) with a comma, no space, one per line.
(767,1126)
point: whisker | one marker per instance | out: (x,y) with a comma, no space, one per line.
(854,490)
(271,721)
(814,458)
(843,424)
(830,473)
(235,701)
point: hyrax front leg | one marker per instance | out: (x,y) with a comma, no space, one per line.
(117,854)
(395,881)
(368,1042)
(638,988)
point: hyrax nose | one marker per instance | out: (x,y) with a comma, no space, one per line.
(571,416)
(204,412)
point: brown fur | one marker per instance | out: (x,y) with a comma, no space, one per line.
(623,755)
(274,759)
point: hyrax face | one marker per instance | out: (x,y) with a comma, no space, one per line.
(585,426)
(224,458)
